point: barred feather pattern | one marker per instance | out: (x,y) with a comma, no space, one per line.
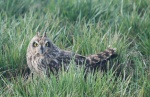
(52,59)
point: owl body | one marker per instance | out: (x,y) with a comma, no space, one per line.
(44,57)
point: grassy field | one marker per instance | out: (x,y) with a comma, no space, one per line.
(83,26)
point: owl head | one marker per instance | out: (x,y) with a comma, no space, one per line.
(41,45)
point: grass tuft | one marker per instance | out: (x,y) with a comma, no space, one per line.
(83,26)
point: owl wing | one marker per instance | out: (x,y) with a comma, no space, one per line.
(63,59)
(98,61)
(91,62)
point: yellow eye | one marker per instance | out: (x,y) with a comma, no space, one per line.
(35,44)
(47,44)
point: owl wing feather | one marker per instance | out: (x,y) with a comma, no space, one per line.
(91,62)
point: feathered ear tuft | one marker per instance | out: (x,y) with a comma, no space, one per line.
(38,34)
(44,35)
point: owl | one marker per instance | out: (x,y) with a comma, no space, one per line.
(44,57)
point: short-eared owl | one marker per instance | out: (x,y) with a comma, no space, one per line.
(43,56)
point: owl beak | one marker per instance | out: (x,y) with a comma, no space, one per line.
(41,50)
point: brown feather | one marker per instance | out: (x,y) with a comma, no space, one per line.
(52,59)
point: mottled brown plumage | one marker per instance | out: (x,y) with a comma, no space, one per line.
(43,56)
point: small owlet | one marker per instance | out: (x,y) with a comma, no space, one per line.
(43,56)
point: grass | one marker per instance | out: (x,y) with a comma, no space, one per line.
(83,26)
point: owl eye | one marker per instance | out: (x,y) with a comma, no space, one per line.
(35,44)
(47,44)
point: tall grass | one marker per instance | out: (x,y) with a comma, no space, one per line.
(83,26)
